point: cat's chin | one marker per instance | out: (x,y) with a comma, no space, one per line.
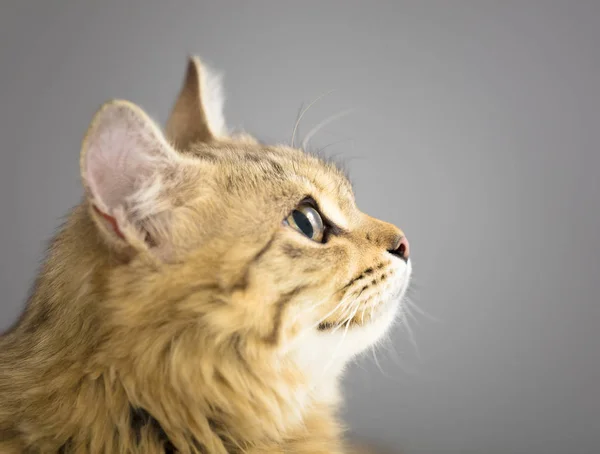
(359,335)
(328,348)
(325,352)
(376,313)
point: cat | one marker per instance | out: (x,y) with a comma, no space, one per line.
(204,297)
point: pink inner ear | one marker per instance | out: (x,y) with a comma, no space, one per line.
(109,173)
(123,150)
(112,221)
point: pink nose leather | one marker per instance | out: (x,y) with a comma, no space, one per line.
(402,250)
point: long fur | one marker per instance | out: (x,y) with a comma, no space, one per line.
(176,312)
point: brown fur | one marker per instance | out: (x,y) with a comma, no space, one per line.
(175,333)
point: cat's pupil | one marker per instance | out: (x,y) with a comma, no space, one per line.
(303,223)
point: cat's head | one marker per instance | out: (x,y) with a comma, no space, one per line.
(216,238)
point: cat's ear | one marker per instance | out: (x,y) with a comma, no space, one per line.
(197,115)
(127,168)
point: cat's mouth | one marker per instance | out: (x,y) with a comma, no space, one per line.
(361,318)
(326,326)
(386,293)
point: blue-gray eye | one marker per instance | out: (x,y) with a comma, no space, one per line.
(306,220)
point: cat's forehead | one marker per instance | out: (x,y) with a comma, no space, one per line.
(279,163)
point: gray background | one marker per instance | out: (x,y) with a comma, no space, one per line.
(476,131)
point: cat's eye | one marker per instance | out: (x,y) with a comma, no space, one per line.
(307,220)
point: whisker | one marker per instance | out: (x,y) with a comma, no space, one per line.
(408,312)
(347,319)
(304,112)
(348,310)
(362,316)
(373,349)
(411,334)
(337,142)
(353,309)
(324,123)
(421,311)
(342,301)
(334,355)
(315,325)
(408,370)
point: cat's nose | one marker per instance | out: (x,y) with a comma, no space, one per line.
(401,248)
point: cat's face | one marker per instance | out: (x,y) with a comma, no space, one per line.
(329,276)
(261,243)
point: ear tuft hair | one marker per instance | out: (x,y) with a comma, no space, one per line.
(197,115)
(124,160)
